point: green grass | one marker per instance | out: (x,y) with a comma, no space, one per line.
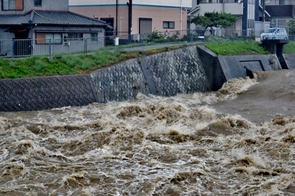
(81,64)
(68,64)
(244,47)
(237,48)
(289,48)
(65,65)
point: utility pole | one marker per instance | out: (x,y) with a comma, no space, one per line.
(129,19)
(245,18)
(116,32)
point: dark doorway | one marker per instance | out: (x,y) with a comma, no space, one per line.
(21,44)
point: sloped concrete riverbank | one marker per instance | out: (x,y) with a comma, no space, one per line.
(186,70)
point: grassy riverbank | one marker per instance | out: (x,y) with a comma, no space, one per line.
(80,64)
(245,48)
(237,48)
(69,64)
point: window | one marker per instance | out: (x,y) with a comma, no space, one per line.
(75,36)
(37,2)
(168,25)
(54,38)
(94,37)
(48,38)
(12,5)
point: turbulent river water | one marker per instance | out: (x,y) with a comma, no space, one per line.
(237,141)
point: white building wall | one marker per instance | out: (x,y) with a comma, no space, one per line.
(167,3)
(158,11)
(233,8)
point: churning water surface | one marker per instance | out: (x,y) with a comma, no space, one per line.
(237,141)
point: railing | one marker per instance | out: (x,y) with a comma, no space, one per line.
(47,47)
(58,47)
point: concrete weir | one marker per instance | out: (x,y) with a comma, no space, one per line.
(186,70)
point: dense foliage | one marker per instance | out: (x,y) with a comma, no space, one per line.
(214,19)
(159,37)
(156,37)
(291,25)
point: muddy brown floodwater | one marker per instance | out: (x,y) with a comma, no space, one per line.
(237,141)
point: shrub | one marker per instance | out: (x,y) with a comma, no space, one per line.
(156,37)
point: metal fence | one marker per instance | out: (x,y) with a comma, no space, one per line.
(57,47)
(47,47)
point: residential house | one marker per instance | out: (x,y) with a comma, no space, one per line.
(137,16)
(35,24)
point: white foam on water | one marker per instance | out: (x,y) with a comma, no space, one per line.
(153,145)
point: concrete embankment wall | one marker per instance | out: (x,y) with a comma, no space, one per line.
(45,92)
(290,60)
(220,69)
(186,70)
(165,74)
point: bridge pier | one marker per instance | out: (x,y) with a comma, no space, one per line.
(276,47)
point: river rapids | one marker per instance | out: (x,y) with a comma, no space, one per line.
(239,140)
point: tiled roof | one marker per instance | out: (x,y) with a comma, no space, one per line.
(14,20)
(50,17)
(280,10)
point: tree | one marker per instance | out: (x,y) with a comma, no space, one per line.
(214,19)
(291,25)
